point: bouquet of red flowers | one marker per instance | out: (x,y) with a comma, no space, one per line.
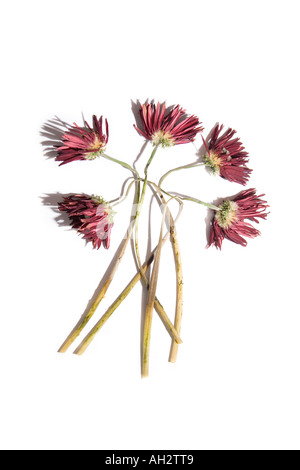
(93,216)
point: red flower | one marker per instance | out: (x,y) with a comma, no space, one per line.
(167,129)
(83,143)
(91,216)
(226,156)
(229,221)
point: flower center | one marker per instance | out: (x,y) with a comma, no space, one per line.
(95,149)
(213,161)
(227,215)
(163,138)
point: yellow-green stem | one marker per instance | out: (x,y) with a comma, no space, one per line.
(120,162)
(150,305)
(138,213)
(179,279)
(179,289)
(184,167)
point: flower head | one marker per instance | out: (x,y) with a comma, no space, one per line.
(173,128)
(83,143)
(91,216)
(226,156)
(229,221)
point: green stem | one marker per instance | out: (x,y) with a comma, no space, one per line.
(179,277)
(181,197)
(146,180)
(184,167)
(193,199)
(179,287)
(120,162)
(139,208)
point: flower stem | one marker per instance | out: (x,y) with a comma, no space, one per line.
(179,280)
(90,336)
(120,162)
(184,167)
(179,288)
(193,199)
(150,303)
(138,212)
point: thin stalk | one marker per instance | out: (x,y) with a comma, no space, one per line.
(181,197)
(193,199)
(90,336)
(120,162)
(121,199)
(184,167)
(138,213)
(179,288)
(179,281)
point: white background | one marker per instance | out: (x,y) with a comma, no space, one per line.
(236,383)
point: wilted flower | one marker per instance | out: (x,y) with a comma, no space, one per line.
(173,128)
(91,216)
(83,143)
(229,221)
(226,156)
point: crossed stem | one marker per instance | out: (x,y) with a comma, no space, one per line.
(158,307)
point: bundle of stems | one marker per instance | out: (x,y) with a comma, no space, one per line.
(223,154)
(153,303)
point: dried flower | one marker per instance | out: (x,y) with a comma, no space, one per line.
(83,143)
(166,130)
(226,156)
(229,221)
(91,216)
